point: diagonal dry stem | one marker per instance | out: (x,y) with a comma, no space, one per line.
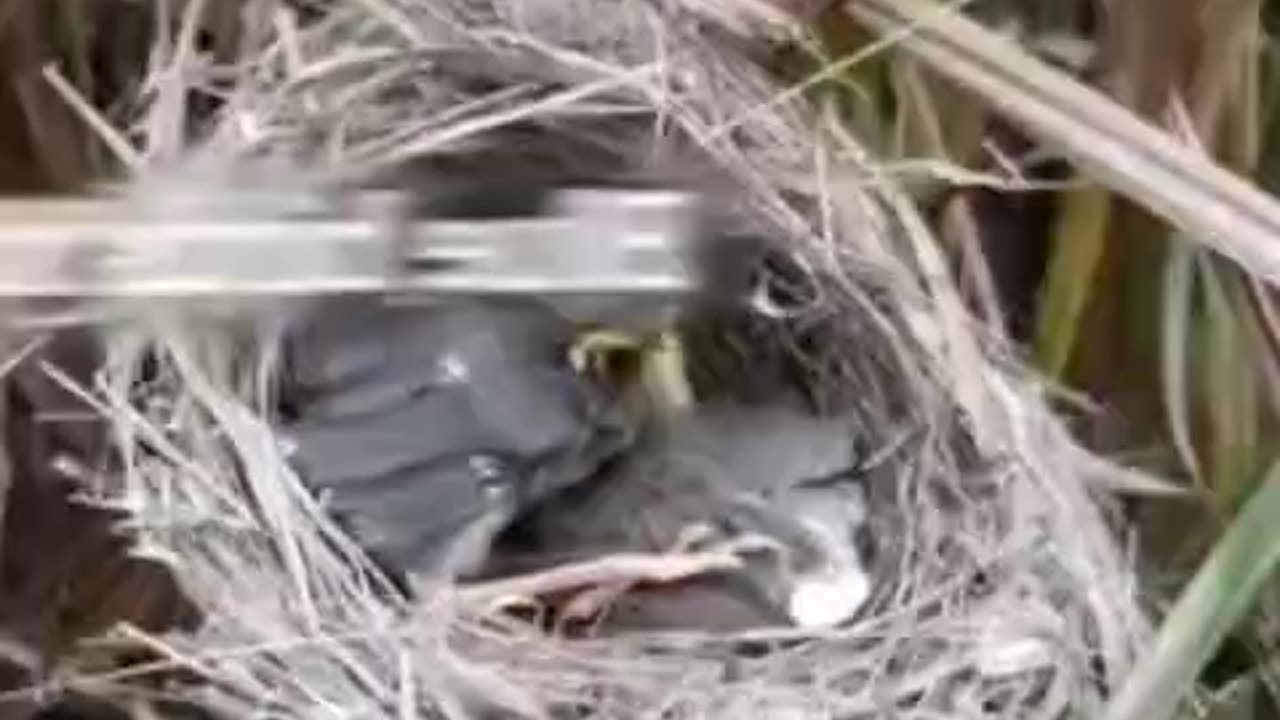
(1128,155)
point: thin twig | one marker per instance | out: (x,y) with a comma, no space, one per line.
(124,151)
(622,568)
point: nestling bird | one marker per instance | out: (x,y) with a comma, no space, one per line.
(773,471)
(426,429)
(429,428)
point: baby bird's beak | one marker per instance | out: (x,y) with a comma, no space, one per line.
(648,372)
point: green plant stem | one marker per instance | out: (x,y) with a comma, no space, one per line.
(1211,605)
(1079,239)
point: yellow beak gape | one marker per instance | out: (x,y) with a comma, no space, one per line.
(660,358)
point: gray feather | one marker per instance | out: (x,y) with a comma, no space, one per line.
(397,404)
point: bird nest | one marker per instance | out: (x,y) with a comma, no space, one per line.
(996,588)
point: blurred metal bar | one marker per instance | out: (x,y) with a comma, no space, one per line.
(624,242)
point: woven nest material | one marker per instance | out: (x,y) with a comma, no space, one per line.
(1002,592)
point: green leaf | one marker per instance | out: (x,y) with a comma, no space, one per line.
(1209,608)
(1079,239)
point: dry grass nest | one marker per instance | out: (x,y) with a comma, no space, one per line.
(1001,592)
